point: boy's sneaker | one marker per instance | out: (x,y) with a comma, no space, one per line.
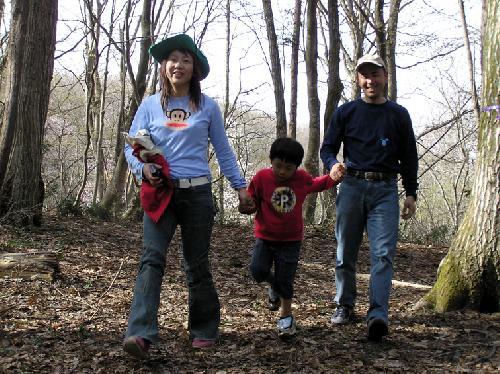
(286,327)
(377,328)
(274,300)
(343,315)
(136,346)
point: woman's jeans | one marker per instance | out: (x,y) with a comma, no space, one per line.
(373,205)
(192,209)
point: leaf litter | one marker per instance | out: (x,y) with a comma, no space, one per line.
(76,323)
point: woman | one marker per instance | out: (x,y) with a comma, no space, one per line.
(180,121)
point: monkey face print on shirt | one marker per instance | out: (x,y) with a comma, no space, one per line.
(177,119)
(283,199)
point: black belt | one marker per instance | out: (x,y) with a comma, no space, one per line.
(371,175)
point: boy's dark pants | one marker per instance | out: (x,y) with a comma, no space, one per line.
(284,256)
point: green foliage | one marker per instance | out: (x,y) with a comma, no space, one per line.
(68,208)
(98,211)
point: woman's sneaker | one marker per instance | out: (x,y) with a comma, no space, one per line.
(286,327)
(136,346)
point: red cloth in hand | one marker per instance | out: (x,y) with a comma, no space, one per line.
(155,200)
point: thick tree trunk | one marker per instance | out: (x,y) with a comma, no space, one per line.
(279,95)
(469,275)
(311,162)
(31,62)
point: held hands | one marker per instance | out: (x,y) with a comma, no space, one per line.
(147,171)
(337,173)
(409,208)
(247,204)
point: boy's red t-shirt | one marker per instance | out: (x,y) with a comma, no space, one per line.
(279,206)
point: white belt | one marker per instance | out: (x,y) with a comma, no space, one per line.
(190,182)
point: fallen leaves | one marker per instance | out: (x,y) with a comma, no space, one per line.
(76,324)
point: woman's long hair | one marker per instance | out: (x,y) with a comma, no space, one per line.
(194,84)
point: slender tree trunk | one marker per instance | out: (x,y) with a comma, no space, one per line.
(469,275)
(335,88)
(470,62)
(385,38)
(312,160)
(226,107)
(294,68)
(31,64)
(279,96)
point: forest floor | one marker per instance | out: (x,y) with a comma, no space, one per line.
(76,323)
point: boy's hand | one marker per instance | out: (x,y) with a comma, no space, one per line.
(337,173)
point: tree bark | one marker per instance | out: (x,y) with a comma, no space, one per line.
(279,96)
(31,64)
(469,275)
(312,159)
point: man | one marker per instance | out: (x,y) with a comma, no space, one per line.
(378,143)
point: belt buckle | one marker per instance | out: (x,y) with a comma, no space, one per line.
(184,183)
(370,175)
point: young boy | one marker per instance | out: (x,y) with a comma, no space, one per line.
(278,194)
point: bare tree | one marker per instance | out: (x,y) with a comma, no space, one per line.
(294,68)
(470,62)
(311,162)
(279,96)
(117,186)
(469,275)
(30,68)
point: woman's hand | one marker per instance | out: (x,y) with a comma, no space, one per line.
(147,172)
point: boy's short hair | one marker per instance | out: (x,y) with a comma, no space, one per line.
(287,150)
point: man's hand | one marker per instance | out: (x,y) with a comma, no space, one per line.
(409,208)
(337,173)
(147,172)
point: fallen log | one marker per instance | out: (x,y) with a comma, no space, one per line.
(29,266)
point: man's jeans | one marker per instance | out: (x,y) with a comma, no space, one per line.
(373,205)
(192,209)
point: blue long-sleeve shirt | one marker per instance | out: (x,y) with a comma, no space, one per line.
(183,137)
(376,137)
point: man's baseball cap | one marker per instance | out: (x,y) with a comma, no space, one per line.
(371,59)
(161,50)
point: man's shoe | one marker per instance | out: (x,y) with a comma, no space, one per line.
(274,300)
(377,328)
(136,346)
(286,327)
(342,315)
(203,343)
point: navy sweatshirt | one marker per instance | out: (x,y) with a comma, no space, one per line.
(376,137)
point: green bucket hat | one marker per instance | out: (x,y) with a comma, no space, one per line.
(161,50)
